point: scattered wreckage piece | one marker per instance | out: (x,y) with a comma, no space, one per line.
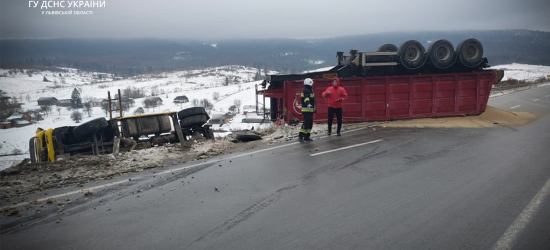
(244,136)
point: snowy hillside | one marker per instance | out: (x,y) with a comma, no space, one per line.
(195,84)
(523,71)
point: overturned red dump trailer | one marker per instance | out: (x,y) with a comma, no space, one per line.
(390,90)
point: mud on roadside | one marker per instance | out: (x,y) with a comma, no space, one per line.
(28,178)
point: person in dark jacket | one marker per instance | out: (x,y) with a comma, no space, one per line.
(308,108)
(336,94)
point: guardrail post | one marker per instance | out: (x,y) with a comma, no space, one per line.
(110,111)
(178,131)
(116,146)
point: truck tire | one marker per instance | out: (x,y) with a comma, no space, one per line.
(387,48)
(412,54)
(193,120)
(470,53)
(89,128)
(441,54)
(191,112)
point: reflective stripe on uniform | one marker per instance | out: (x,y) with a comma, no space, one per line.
(305,131)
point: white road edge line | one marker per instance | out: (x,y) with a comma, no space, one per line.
(159,173)
(517,106)
(509,238)
(535,100)
(352,146)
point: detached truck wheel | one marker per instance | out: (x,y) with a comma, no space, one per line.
(441,54)
(89,128)
(191,112)
(412,54)
(470,53)
(193,121)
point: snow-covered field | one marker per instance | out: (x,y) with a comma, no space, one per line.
(523,71)
(195,84)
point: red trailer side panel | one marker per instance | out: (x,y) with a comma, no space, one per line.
(397,97)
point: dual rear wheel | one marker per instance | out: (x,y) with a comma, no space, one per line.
(441,53)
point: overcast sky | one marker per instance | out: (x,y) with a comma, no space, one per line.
(230,19)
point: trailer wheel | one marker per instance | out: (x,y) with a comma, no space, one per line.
(193,120)
(441,54)
(412,54)
(387,48)
(191,112)
(89,128)
(470,52)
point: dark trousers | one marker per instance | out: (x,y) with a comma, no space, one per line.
(331,112)
(307,125)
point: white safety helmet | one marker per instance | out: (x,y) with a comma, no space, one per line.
(308,82)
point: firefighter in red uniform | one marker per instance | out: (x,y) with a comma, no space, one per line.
(336,94)
(308,108)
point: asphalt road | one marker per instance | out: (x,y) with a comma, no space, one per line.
(391,188)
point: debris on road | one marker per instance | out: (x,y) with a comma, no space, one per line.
(77,170)
(244,136)
(491,117)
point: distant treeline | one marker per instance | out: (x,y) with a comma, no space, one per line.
(142,56)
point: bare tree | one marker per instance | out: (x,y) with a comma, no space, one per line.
(208,106)
(216,96)
(105,107)
(58,110)
(88,108)
(76,116)
(155,90)
(196,103)
(46,109)
(237,103)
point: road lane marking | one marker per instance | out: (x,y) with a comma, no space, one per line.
(352,146)
(546,96)
(517,106)
(535,100)
(509,238)
(66,194)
